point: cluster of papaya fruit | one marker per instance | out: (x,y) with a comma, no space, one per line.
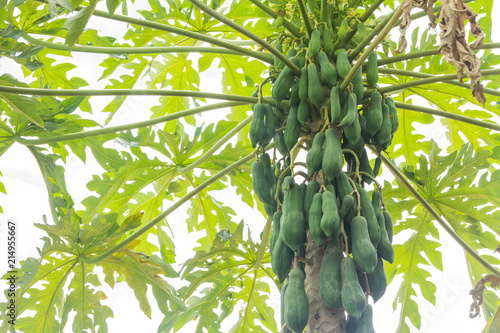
(331,209)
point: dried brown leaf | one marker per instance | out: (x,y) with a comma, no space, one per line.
(478,291)
(497,249)
(405,23)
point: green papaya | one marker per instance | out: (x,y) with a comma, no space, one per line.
(365,323)
(270,125)
(388,224)
(344,188)
(293,226)
(270,210)
(328,72)
(303,84)
(362,33)
(257,127)
(351,325)
(301,253)
(303,112)
(364,165)
(353,297)
(330,279)
(333,159)
(357,85)
(268,170)
(315,154)
(351,112)
(377,281)
(376,166)
(312,7)
(357,146)
(352,132)
(281,259)
(343,65)
(296,302)
(363,251)
(369,214)
(330,221)
(328,41)
(335,109)
(384,133)
(393,114)
(294,94)
(282,85)
(291,53)
(283,291)
(342,29)
(374,116)
(312,188)
(372,70)
(314,43)
(314,86)
(260,184)
(292,128)
(277,62)
(364,131)
(347,203)
(276,230)
(279,141)
(384,248)
(315,214)
(287,184)
(376,197)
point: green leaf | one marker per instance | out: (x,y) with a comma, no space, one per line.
(493,325)
(26,106)
(76,24)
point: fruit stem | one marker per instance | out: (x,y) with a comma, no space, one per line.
(305,17)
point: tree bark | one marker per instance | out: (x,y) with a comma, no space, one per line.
(321,318)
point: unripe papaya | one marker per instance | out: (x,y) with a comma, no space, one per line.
(374,116)
(372,70)
(292,128)
(388,224)
(347,203)
(328,72)
(344,188)
(293,226)
(281,259)
(283,291)
(357,85)
(294,94)
(296,302)
(282,85)
(376,197)
(314,43)
(363,251)
(365,323)
(343,65)
(314,86)
(384,133)
(333,159)
(335,109)
(279,141)
(384,248)
(315,154)
(301,253)
(303,112)
(342,29)
(258,125)
(369,214)
(312,188)
(351,112)
(377,281)
(353,297)
(260,184)
(393,114)
(303,84)
(376,166)
(330,221)
(268,170)
(277,61)
(330,278)
(276,230)
(353,131)
(270,124)
(315,214)
(328,41)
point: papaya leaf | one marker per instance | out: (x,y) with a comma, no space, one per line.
(76,24)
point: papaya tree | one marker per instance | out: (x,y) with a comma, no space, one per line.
(316,114)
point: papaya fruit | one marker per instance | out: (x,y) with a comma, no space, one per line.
(293,226)
(372,70)
(351,111)
(315,154)
(301,253)
(268,170)
(342,29)
(283,291)
(384,133)
(351,325)
(376,197)
(260,184)
(353,131)
(353,297)
(357,85)
(282,85)
(388,224)
(270,125)
(333,159)
(328,72)
(364,165)
(393,114)
(374,116)
(312,188)
(330,221)
(279,141)
(276,230)
(303,112)
(364,131)
(369,214)
(330,279)
(363,251)
(344,188)
(276,61)
(343,65)
(258,125)
(315,214)
(281,259)
(376,166)
(287,184)
(294,94)
(327,41)
(291,53)
(377,281)
(347,203)
(384,248)
(303,84)
(365,323)
(357,147)
(312,7)
(296,302)
(270,210)
(314,86)
(335,109)
(292,128)
(314,43)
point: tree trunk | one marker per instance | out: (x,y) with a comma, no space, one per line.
(321,318)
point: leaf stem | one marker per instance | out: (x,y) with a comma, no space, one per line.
(449,115)
(305,17)
(425,75)
(230,23)
(263,244)
(387,28)
(366,15)
(406,184)
(429,80)
(172,208)
(289,26)
(119,128)
(209,153)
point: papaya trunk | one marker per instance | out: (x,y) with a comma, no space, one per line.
(321,318)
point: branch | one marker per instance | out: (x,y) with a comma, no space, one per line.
(406,184)
(245,32)
(136,50)
(289,26)
(387,28)
(114,129)
(429,80)
(425,75)
(305,17)
(449,115)
(172,208)
(209,153)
